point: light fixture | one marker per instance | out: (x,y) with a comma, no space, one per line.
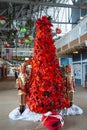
(75,52)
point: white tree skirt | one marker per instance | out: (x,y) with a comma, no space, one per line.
(74,110)
(26,115)
(32,116)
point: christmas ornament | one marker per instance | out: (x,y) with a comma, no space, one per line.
(22,30)
(27,41)
(22,41)
(58,31)
(2,20)
(6,45)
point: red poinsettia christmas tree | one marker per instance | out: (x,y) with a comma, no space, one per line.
(46,88)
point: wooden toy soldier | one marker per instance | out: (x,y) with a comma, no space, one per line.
(21,84)
(69,83)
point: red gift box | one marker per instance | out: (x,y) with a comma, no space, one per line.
(53,121)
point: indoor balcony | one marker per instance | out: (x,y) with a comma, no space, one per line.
(73,41)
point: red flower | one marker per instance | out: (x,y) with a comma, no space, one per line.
(46,86)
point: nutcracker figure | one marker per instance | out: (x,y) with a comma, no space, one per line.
(21,84)
(69,83)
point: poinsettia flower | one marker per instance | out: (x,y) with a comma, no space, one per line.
(46,86)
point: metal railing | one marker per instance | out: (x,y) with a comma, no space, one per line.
(78,31)
(17,52)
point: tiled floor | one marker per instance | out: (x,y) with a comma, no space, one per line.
(9,101)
